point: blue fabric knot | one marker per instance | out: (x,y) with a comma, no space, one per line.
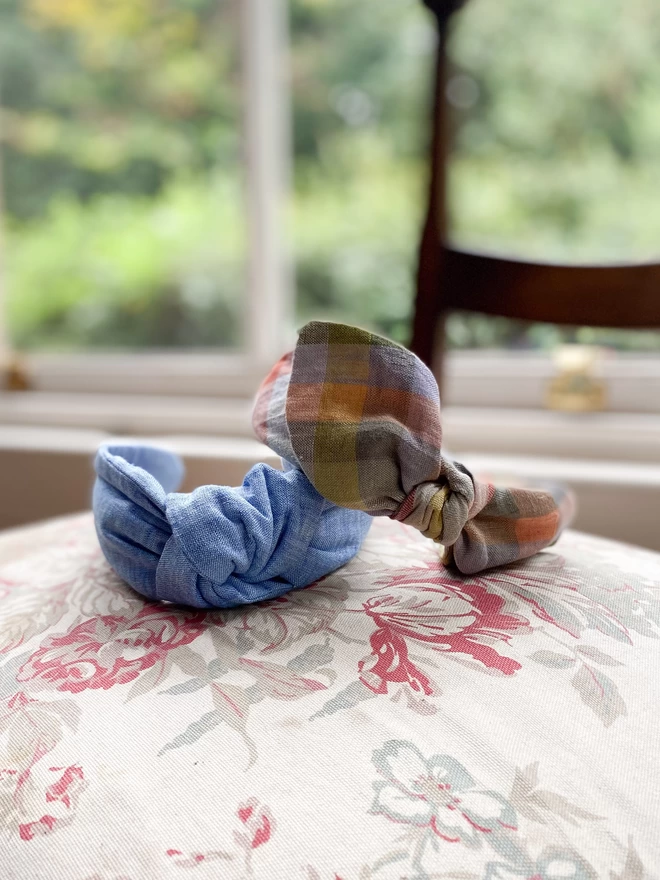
(216,547)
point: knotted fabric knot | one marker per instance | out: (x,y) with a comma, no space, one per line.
(216,547)
(422,509)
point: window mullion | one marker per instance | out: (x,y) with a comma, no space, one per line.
(5,351)
(267,150)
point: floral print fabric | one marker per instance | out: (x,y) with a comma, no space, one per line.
(393,720)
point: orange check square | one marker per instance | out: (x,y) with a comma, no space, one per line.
(342,403)
(532,529)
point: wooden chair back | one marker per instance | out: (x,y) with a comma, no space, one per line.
(449,278)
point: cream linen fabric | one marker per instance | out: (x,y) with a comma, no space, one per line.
(393,721)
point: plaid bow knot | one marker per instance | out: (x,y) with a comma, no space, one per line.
(360,415)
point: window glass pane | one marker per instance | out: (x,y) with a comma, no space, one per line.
(121,166)
(121,154)
(556,144)
(361,81)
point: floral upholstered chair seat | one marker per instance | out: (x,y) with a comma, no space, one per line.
(392,721)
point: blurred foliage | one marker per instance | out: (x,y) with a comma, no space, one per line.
(121,153)
(130,271)
(114,97)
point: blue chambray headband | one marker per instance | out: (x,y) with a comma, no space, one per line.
(216,547)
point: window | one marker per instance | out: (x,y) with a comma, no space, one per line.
(144,165)
(152,151)
(555,146)
(360,89)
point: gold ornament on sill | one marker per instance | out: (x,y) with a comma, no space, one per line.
(15,376)
(577,388)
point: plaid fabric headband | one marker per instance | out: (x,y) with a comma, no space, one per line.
(360,415)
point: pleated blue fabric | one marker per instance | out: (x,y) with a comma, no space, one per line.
(216,547)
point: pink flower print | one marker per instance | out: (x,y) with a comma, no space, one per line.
(258,827)
(258,823)
(39,800)
(61,798)
(389,662)
(447,615)
(108,650)
(438,793)
(193,860)
(6,587)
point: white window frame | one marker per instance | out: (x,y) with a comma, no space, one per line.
(268,301)
(91,389)
(4,342)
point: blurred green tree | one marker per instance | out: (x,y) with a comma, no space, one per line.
(120,137)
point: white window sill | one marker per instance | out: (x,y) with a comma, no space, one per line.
(500,379)
(633,437)
(48,471)
(520,380)
(128,413)
(608,435)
